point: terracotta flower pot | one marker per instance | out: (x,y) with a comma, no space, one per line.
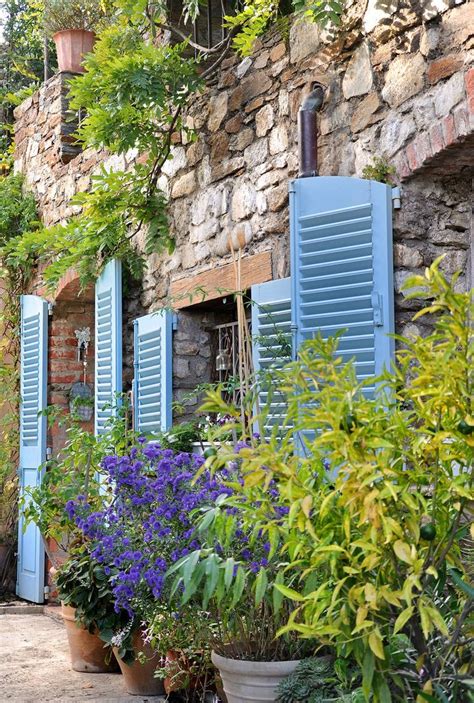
(245,681)
(139,678)
(71,47)
(88,653)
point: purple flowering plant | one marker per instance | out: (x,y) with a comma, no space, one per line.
(234,573)
(147,524)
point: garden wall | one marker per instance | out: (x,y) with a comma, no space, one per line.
(399,84)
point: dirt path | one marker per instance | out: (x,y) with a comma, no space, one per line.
(35,667)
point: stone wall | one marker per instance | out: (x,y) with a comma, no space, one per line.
(399,83)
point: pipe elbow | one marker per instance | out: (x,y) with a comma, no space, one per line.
(314,101)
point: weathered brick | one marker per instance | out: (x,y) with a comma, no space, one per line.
(443,68)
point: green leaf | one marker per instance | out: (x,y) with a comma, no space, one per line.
(289,592)
(376,644)
(189,566)
(229,571)
(261,583)
(239,586)
(460,583)
(368,668)
(403,618)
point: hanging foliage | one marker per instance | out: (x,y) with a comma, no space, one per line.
(134,94)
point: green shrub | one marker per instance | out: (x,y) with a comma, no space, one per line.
(381,530)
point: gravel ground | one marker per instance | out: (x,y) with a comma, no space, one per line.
(35,666)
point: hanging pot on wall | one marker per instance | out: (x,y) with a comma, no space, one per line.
(71,47)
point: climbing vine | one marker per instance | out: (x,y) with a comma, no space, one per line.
(17,218)
(134,94)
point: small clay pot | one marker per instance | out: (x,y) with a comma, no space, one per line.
(139,678)
(71,47)
(87,650)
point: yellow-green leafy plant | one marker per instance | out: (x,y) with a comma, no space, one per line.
(385,528)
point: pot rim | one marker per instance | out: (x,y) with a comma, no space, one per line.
(68,31)
(258,667)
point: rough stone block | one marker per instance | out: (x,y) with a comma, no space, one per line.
(358,79)
(256,153)
(185,185)
(449,94)
(264,120)
(395,133)
(243,202)
(304,40)
(278,139)
(218,106)
(365,113)
(404,78)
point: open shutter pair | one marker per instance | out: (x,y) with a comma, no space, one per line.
(342,272)
(152,358)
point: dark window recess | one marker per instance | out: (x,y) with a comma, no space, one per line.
(207,30)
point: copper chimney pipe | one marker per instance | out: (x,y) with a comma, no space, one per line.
(307,132)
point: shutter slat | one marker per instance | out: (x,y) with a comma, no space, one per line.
(108,343)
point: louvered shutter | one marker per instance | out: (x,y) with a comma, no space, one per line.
(342,270)
(108,343)
(153,372)
(272,343)
(33,389)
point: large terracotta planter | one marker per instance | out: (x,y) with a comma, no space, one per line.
(71,47)
(88,653)
(139,678)
(245,681)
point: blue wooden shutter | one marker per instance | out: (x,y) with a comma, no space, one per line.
(153,372)
(272,342)
(342,270)
(33,389)
(108,342)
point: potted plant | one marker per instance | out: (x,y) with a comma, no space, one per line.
(79,578)
(146,528)
(72,25)
(234,576)
(88,610)
(383,540)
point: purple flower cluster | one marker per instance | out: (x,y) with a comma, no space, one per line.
(147,524)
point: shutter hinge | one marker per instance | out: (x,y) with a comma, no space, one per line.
(50,309)
(377,305)
(49,452)
(396,198)
(291,186)
(175,322)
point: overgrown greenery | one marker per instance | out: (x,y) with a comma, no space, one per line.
(374,545)
(17,216)
(135,93)
(75,471)
(320,680)
(21,65)
(379,170)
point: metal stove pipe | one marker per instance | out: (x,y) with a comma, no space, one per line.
(307,132)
